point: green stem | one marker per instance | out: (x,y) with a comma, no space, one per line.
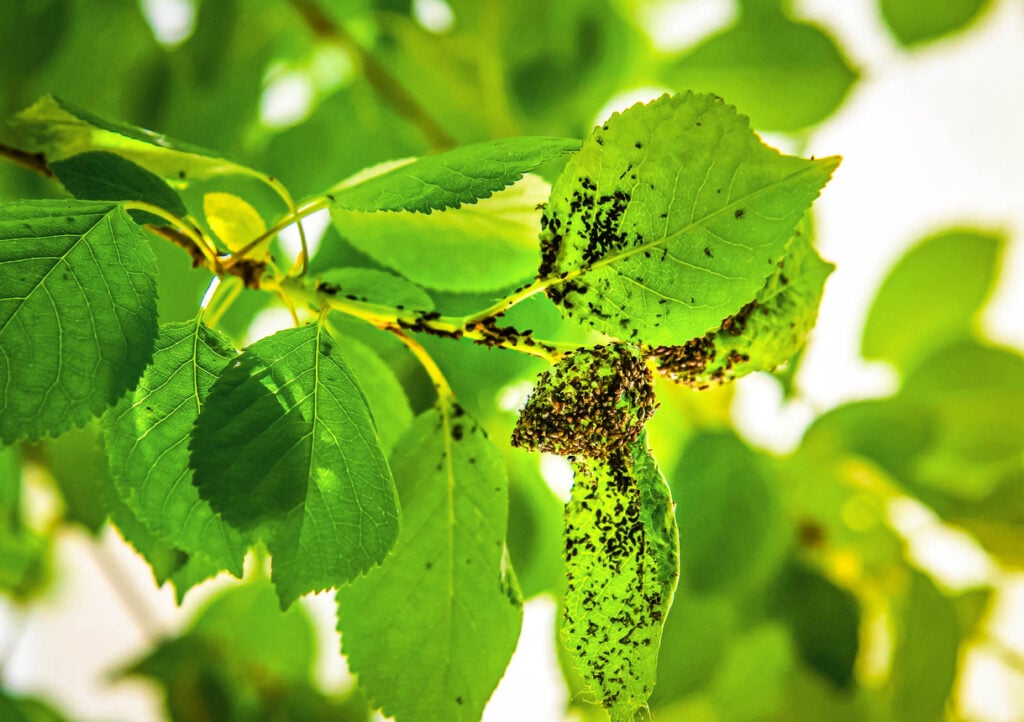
(302,262)
(480,328)
(209,253)
(289,218)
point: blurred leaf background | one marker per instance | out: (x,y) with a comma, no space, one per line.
(865,569)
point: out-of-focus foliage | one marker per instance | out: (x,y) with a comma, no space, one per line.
(794,582)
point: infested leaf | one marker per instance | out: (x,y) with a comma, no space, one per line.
(670,218)
(622,565)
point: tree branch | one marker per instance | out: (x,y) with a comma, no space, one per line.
(376,74)
(35,162)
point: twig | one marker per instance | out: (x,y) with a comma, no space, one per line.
(35,162)
(376,74)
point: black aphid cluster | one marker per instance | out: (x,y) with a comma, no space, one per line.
(594,403)
(697,362)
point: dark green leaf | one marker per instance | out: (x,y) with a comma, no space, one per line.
(77,313)
(824,619)
(79,467)
(23,552)
(430,632)
(26,709)
(622,565)
(449,180)
(675,206)
(147,436)
(101,176)
(931,296)
(455,249)
(785,75)
(24,23)
(286,446)
(913,22)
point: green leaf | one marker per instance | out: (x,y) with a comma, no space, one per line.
(147,436)
(79,467)
(913,22)
(368,285)
(931,296)
(670,218)
(430,632)
(193,571)
(764,334)
(245,660)
(23,552)
(786,75)
(699,632)
(286,447)
(973,394)
(534,527)
(77,313)
(925,660)
(449,180)
(27,709)
(163,559)
(751,683)
(824,619)
(455,249)
(60,130)
(101,176)
(384,394)
(247,621)
(622,565)
(720,479)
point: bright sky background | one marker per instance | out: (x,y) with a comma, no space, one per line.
(930,139)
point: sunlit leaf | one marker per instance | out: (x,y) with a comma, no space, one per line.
(931,296)
(454,249)
(233,219)
(622,565)
(764,334)
(286,447)
(60,130)
(147,436)
(671,218)
(785,75)
(430,631)
(449,180)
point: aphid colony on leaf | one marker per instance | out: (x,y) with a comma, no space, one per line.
(595,402)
